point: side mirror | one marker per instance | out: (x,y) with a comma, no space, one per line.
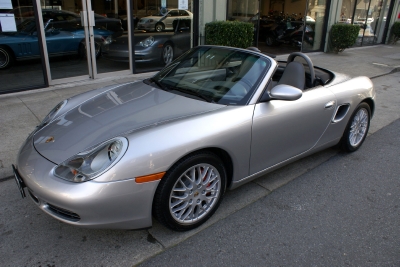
(282,92)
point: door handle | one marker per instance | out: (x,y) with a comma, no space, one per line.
(330,104)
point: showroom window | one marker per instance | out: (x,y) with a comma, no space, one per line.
(20,53)
(369,15)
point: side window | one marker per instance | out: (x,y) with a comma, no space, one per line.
(183,13)
(174,13)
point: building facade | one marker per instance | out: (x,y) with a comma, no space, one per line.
(49,42)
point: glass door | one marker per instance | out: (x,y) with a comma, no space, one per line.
(109,36)
(76,33)
(65,39)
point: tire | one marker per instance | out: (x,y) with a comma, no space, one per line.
(357,128)
(190,192)
(82,50)
(6,58)
(159,27)
(167,54)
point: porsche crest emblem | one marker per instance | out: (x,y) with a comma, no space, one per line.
(50,139)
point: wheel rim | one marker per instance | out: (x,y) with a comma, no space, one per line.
(195,193)
(358,127)
(4,58)
(168,54)
(97,49)
(158,27)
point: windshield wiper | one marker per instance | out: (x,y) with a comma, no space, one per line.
(160,85)
(194,93)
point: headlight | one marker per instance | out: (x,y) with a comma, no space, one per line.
(147,42)
(108,40)
(87,165)
(52,114)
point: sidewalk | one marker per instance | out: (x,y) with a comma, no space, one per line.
(21,112)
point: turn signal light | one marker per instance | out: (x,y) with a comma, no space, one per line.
(149,178)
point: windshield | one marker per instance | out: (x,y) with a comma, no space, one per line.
(220,75)
(27,26)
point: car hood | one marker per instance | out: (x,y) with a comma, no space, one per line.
(116,112)
(122,41)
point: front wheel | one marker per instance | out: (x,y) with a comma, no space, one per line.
(190,192)
(6,58)
(357,128)
(159,27)
(167,54)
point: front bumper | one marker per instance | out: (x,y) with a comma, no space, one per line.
(119,204)
(142,54)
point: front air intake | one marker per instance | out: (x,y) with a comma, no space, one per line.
(63,213)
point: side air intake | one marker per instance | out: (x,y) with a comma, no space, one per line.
(341,112)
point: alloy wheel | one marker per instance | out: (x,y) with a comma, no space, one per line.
(195,193)
(168,54)
(358,128)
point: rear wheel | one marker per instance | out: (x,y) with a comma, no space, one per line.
(82,49)
(357,128)
(6,58)
(190,192)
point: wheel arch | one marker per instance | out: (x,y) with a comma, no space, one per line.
(9,49)
(222,154)
(169,42)
(371,105)
(159,22)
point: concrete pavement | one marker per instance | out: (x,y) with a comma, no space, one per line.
(57,243)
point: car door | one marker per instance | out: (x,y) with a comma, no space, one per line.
(284,129)
(60,41)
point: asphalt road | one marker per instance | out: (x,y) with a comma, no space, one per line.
(345,212)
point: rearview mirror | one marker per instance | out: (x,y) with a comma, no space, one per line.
(282,92)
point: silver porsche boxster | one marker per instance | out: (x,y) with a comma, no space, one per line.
(170,146)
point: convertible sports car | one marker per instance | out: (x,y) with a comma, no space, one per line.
(23,44)
(151,47)
(169,146)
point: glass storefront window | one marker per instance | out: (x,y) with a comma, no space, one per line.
(282,26)
(20,63)
(163,32)
(370,15)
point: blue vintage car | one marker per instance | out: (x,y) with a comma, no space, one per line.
(61,39)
